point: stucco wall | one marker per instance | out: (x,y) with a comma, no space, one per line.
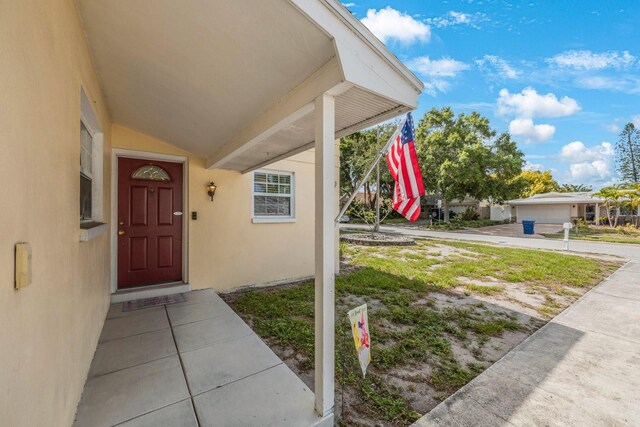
(49,330)
(226,249)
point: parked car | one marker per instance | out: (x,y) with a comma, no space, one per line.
(438,214)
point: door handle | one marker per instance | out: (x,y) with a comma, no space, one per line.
(178,213)
(120,232)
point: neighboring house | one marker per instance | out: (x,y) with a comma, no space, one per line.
(115,118)
(557,208)
(502,212)
(459,206)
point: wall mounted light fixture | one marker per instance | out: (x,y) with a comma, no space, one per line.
(211,189)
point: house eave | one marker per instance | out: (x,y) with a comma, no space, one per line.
(358,28)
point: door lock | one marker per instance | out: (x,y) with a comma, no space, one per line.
(120,232)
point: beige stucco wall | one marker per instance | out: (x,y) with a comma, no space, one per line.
(227,250)
(49,330)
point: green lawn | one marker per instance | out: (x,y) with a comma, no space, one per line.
(602,234)
(418,329)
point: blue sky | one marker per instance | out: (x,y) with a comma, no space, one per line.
(562,76)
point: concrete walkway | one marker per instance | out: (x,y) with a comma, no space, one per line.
(189,364)
(581,369)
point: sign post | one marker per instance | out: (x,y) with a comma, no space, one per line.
(361,338)
(567,226)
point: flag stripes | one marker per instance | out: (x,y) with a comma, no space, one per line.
(405,170)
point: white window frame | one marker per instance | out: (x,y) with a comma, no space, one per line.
(90,121)
(263,219)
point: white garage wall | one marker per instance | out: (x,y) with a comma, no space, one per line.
(545,214)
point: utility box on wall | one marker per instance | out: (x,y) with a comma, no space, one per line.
(23,265)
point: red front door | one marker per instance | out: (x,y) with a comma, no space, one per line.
(149,222)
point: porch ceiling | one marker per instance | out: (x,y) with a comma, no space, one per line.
(234,81)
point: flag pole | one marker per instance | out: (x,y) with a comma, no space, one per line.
(366,175)
(376,227)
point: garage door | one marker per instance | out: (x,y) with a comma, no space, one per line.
(545,214)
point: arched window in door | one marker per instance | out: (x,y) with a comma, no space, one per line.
(151,173)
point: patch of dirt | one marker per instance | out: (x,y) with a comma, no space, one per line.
(413,381)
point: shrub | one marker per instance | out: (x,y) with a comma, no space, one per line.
(470,214)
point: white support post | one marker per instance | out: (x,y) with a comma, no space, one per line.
(325,207)
(597,213)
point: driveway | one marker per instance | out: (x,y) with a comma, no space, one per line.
(580,369)
(514,230)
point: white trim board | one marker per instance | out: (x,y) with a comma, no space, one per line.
(134,154)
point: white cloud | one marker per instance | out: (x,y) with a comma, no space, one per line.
(534,167)
(524,127)
(503,69)
(587,60)
(591,165)
(577,152)
(612,127)
(388,24)
(529,104)
(348,4)
(445,67)
(590,171)
(456,18)
(625,84)
(436,72)
(434,86)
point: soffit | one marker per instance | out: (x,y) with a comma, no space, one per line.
(194,72)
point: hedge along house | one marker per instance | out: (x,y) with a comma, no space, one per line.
(155,100)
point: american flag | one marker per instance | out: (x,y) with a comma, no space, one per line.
(404,168)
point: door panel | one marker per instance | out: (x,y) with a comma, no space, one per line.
(149,232)
(165,206)
(165,251)
(139,203)
(138,253)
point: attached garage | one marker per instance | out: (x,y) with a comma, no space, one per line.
(545,214)
(557,208)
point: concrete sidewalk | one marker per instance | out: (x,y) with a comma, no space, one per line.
(580,369)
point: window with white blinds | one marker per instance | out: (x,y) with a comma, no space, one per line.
(86,174)
(273,194)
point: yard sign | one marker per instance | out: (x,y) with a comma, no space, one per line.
(362,340)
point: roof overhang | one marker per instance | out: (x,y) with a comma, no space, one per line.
(526,202)
(235,82)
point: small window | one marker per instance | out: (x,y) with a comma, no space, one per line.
(273,195)
(91,166)
(86,174)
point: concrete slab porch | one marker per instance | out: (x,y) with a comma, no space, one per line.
(189,364)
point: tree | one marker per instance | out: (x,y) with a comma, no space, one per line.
(460,156)
(538,182)
(628,154)
(618,196)
(504,168)
(575,188)
(357,152)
